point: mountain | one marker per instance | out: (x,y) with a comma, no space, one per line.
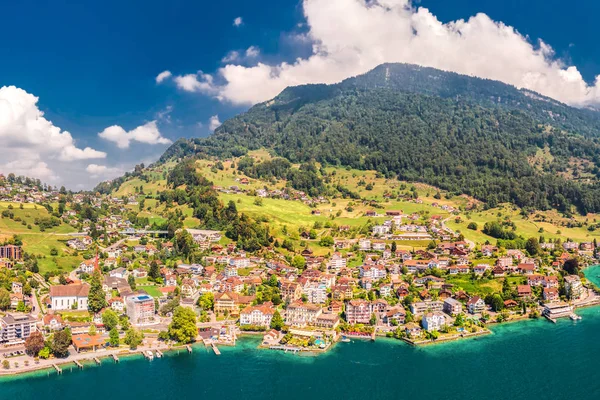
(463,134)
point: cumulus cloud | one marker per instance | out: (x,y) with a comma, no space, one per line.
(31,144)
(350,37)
(214,123)
(102,171)
(238,21)
(231,57)
(163,76)
(147,133)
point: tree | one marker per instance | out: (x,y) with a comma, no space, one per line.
(497,303)
(571,266)
(277,321)
(34,344)
(298,262)
(154,272)
(4,299)
(373,320)
(113,337)
(110,319)
(131,282)
(183,326)
(394,247)
(533,246)
(326,241)
(207,301)
(96,296)
(61,343)
(44,353)
(472,226)
(133,338)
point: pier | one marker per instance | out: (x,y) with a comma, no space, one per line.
(159,354)
(285,348)
(216,349)
(57,368)
(114,356)
(80,365)
(97,360)
(189,348)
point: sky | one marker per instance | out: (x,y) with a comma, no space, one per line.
(90,89)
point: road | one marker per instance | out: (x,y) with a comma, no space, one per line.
(469,242)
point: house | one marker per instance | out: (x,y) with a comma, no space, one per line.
(372,271)
(69,297)
(550,281)
(395,315)
(239,262)
(488,250)
(327,321)
(535,280)
(550,294)
(433,321)
(358,311)
(290,291)
(121,273)
(52,322)
(117,304)
(337,262)
(260,315)
(498,271)
(378,245)
(475,305)
(364,244)
(480,269)
(573,287)
(413,330)
(524,291)
(17,287)
(452,306)
(526,268)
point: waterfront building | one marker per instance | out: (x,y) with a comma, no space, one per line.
(573,287)
(452,306)
(421,307)
(475,305)
(15,328)
(258,315)
(433,321)
(358,311)
(301,314)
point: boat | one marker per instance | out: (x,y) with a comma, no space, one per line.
(149,355)
(575,317)
(345,339)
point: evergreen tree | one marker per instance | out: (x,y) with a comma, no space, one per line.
(96,297)
(114,337)
(154,272)
(277,321)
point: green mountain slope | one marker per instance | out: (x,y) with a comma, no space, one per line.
(462,134)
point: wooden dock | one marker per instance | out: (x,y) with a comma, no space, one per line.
(189,348)
(80,365)
(97,360)
(114,356)
(159,353)
(57,368)
(216,349)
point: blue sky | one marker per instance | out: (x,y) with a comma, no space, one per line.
(94,65)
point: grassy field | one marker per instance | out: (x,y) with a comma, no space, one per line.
(151,290)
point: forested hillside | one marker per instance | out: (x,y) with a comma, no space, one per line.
(462,134)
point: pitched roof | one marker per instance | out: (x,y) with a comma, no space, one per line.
(81,290)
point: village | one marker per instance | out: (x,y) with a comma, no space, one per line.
(128,293)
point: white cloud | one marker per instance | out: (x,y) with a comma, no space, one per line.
(102,171)
(163,76)
(214,123)
(238,21)
(252,52)
(31,144)
(147,133)
(350,37)
(231,57)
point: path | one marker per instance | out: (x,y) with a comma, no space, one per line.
(469,242)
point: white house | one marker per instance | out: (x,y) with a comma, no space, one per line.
(433,321)
(257,315)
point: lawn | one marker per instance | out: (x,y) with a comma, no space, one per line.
(151,290)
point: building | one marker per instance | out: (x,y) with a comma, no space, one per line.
(140,309)
(421,307)
(452,306)
(475,305)
(290,291)
(69,297)
(230,302)
(557,310)
(550,294)
(11,252)
(573,287)
(358,311)
(301,314)
(258,315)
(433,321)
(15,328)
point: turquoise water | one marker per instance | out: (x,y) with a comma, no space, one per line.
(519,361)
(593,274)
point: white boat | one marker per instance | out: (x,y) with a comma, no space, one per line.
(149,355)
(575,317)
(345,339)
